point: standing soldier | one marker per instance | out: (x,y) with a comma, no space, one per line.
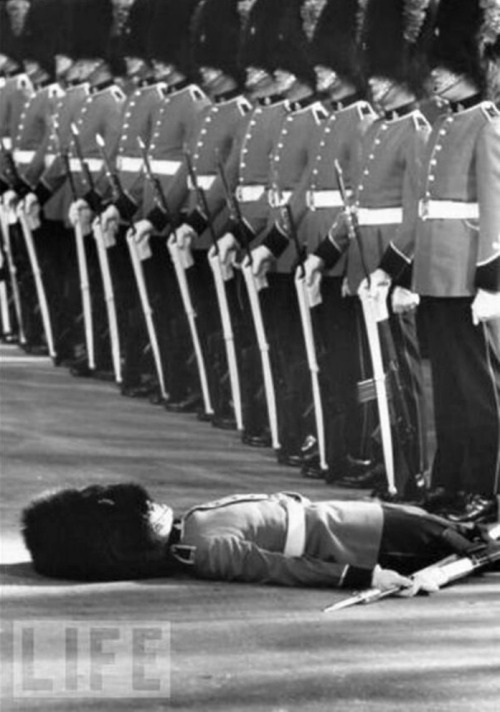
(385,194)
(456,266)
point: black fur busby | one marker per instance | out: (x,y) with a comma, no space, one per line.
(336,39)
(129,31)
(92,22)
(216,36)
(98,533)
(14,28)
(42,34)
(466,37)
(275,38)
(169,39)
(396,37)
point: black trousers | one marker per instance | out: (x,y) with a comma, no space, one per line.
(465,361)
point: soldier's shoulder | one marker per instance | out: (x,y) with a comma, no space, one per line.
(365,110)
(319,112)
(243,105)
(118,94)
(490,111)
(420,123)
(196,93)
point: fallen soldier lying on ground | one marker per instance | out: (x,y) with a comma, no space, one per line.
(117,532)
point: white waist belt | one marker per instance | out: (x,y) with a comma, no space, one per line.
(380,216)
(295,542)
(164,168)
(129,165)
(204,182)
(23,157)
(94,164)
(249,193)
(49,159)
(316,199)
(447,210)
(278,198)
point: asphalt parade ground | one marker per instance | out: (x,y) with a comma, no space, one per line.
(205,646)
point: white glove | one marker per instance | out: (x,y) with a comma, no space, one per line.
(486,306)
(404,300)
(227,247)
(110,220)
(377,286)
(385,579)
(430,580)
(313,269)
(184,235)
(142,236)
(10,201)
(32,211)
(262,261)
(80,213)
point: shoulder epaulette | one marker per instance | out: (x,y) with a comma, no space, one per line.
(118,94)
(183,553)
(23,82)
(2,82)
(244,105)
(490,110)
(196,93)
(419,121)
(56,91)
(365,110)
(161,88)
(319,112)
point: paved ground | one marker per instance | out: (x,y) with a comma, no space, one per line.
(232,647)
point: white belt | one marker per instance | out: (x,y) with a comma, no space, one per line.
(295,542)
(204,182)
(94,164)
(249,193)
(164,168)
(447,210)
(324,199)
(129,165)
(23,157)
(380,216)
(49,159)
(278,198)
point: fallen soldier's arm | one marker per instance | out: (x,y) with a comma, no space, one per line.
(230,558)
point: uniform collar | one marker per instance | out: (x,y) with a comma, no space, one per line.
(102,86)
(346,102)
(178,86)
(457,106)
(300,104)
(401,111)
(270,100)
(227,95)
(147,82)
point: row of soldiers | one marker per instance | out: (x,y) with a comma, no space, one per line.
(263,212)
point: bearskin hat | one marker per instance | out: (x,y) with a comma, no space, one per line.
(169,37)
(13,33)
(336,39)
(274,38)
(96,533)
(92,23)
(466,38)
(216,36)
(129,34)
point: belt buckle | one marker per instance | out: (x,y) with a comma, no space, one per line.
(272,198)
(423,209)
(238,193)
(310,200)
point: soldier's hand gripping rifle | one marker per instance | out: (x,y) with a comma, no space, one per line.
(180,273)
(307,331)
(4,224)
(450,569)
(253,286)
(220,290)
(33,258)
(374,311)
(81,257)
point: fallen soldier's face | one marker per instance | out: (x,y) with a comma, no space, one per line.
(100,533)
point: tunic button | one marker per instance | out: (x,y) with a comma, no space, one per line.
(432,178)
(366,172)
(360,187)
(442,132)
(433,162)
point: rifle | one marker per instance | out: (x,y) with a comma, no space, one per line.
(253,286)
(32,256)
(373,313)
(453,568)
(220,290)
(180,265)
(308,333)
(16,295)
(80,253)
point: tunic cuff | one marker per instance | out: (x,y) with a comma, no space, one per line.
(126,207)
(93,198)
(158,218)
(4,187)
(42,193)
(242,232)
(357,578)
(488,275)
(276,241)
(197,221)
(397,267)
(328,252)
